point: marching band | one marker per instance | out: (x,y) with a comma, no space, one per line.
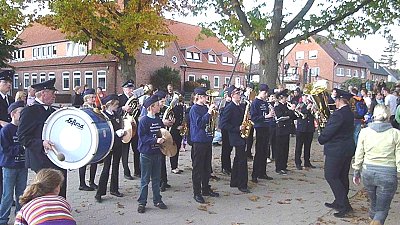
(270,115)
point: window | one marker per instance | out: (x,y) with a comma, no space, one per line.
(237,81)
(101,79)
(376,66)
(299,55)
(146,50)
(75,49)
(15,81)
(42,77)
(54,50)
(314,71)
(339,72)
(362,74)
(34,79)
(355,73)
(313,54)
(89,79)
(65,81)
(352,57)
(227,80)
(34,52)
(216,82)
(26,80)
(19,55)
(211,58)
(348,72)
(77,79)
(162,50)
(191,78)
(82,49)
(193,55)
(205,77)
(52,76)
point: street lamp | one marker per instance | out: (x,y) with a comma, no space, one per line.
(184,67)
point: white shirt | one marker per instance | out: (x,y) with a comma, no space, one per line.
(391,102)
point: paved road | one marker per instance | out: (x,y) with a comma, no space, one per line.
(294,199)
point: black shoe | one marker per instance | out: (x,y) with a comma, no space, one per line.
(117,193)
(161,205)
(167,185)
(210,193)
(233,185)
(310,166)
(298,167)
(226,172)
(244,190)
(141,209)
(98,198)
(254,180)
(86,188)
(128,177)
(342,213)
(199,199)
(332,205)
(265,177)
(93,185)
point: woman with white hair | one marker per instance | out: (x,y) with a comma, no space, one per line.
(378,157)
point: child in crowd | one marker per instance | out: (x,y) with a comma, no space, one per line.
(12,159)
(41,203)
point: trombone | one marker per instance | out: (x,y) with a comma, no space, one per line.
(296,111)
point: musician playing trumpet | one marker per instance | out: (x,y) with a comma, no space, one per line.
(304,132)
(260,116)
(199,117)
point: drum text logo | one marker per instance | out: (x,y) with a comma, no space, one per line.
(74,123)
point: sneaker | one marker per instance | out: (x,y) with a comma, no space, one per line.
(269,160)
(161,205)
(141,209)
(282,172)
(176,171)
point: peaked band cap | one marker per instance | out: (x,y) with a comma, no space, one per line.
(109,98)
(150,100)
(47,85)
(89,91)
(7,75)
(129,83)
(200,91)
(264,87)
(15,105)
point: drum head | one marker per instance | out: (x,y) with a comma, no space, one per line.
(74,134)
(168,148)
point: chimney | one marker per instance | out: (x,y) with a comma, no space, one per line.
(358,51)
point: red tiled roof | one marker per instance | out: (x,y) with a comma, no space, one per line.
(64,61)
(38,34)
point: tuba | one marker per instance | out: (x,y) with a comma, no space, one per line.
(319,97)
(169,114)
(212,123)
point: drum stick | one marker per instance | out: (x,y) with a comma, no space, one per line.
(59,155)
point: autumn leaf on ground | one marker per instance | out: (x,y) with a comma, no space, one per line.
(120,206)
(283,202)
(189,221)
(202,208)
(253,198)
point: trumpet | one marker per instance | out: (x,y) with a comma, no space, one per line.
(296,111)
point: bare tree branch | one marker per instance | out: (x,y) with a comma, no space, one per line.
(289,27)
(277,19)
(246,29)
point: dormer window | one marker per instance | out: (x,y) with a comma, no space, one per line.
(227,60)
(211,58)
(352,57)
(376,66)
(193,55)
(146,50)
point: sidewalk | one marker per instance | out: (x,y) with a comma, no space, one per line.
(297,198)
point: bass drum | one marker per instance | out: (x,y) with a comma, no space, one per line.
(82,135)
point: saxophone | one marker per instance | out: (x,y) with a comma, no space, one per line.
(246,123)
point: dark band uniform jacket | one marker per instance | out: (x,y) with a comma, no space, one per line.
(4,116)
(337,137)
(307,124)
(231,120)
(284,126)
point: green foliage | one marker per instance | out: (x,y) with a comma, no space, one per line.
(189,86)
(387,58)
(164,76)
(204,83)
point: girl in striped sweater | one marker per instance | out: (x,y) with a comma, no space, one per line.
(41,204)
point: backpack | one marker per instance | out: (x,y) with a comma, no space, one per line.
(360,108)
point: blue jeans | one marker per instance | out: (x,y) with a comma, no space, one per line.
(357,129)
(13,179)
(381,185)
(150,166)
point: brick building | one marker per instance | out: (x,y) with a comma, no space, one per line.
(332,60)
(47,54)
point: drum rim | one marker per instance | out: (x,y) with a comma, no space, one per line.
(94,134)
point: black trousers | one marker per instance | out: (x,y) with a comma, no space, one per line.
(271,143)
(112,159)
(164,177)
(337,176)
(63,189)
(92,174)
(303,139)
(178,141)
(136,156)
(226,151)
(249,142)
(260,156)
(201,163)
(239,175)
(282,152)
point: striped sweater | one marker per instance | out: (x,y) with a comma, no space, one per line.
(45,210)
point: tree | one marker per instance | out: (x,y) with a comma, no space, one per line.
(164,76)
(387,58)
(12,22)
(271,26)
(118,29)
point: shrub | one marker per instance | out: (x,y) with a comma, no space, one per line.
(164,76)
